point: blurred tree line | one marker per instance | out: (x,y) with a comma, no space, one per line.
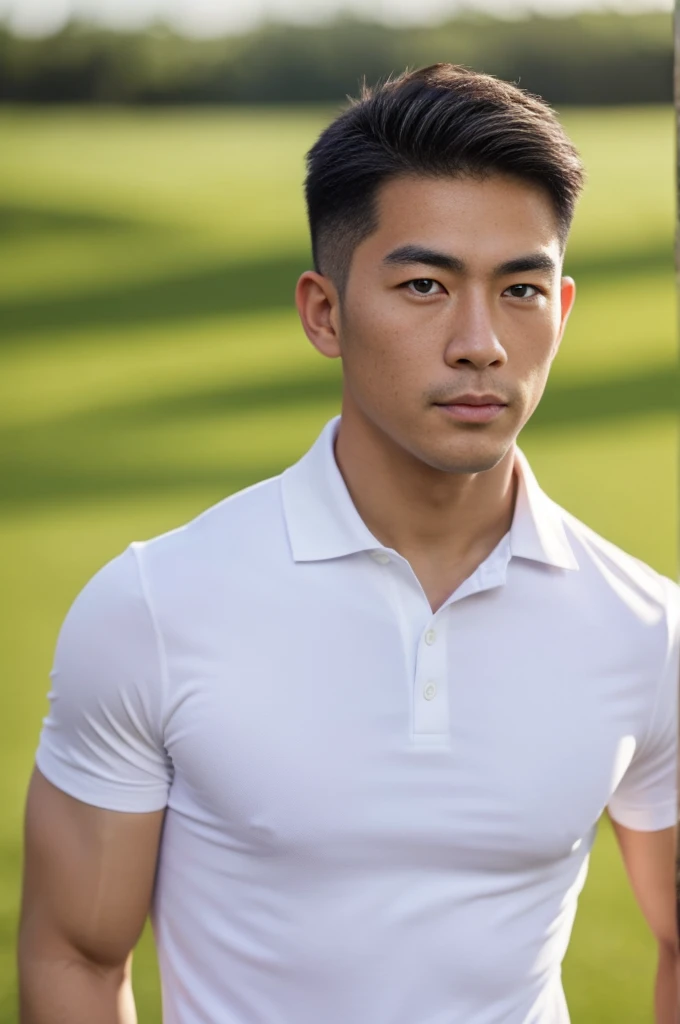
(590,59)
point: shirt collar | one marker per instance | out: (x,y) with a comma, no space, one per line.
(537,530)
(323,522)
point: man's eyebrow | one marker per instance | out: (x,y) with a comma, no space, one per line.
(406,255)
(524,264)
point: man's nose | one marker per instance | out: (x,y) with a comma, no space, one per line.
(473,339)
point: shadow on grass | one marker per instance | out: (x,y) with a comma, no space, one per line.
(87,456)
(225,288)
(585,403)
(601,267)
(18,220)
(229,287)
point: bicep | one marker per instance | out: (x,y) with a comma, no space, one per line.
(88,876)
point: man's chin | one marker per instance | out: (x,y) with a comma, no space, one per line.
(469,460)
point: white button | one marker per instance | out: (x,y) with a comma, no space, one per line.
(380,556)
(430,691)
(430,637)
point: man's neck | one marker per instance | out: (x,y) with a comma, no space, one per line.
(444,524)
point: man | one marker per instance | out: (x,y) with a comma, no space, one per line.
(358,722)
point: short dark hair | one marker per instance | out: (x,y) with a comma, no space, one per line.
(441,121)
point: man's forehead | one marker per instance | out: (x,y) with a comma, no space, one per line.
(458,186)
(478,226)
(495,204)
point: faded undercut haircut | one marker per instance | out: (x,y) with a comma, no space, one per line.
(437,122)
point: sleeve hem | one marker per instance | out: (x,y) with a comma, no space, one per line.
(647,819)
(98,793)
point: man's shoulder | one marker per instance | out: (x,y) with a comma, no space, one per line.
(237,541)
(624,575)
(251,518)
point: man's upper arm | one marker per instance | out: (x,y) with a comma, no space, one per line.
(88,878)
(644,809)
(103,739)
(646,799)
(97,799)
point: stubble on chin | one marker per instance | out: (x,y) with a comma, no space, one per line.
(465,455)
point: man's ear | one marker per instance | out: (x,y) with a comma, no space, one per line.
(318,305)
(567,296)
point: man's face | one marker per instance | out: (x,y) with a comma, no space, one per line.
(456,298)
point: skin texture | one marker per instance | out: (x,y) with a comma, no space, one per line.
(441,492)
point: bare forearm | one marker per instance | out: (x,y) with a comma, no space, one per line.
(667,988)
(73,991)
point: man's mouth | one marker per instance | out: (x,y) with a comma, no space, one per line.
(473,408)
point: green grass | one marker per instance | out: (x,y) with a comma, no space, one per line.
(151,363)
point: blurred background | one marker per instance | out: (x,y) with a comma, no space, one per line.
(152,229)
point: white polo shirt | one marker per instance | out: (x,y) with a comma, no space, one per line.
(375,815)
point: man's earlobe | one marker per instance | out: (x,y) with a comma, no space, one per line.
(317,302)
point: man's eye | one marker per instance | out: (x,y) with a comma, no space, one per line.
(423,286)
(519,291)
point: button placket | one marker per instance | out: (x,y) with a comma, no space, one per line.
(430,690)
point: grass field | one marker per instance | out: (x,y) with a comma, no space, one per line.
(151,363)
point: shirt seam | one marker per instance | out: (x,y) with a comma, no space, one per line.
(135,547)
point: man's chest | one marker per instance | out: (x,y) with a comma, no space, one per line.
(447,745)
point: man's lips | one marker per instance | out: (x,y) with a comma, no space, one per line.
(473,408)
(471,399)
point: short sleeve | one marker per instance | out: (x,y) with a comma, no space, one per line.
(102,741)
(646,799)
